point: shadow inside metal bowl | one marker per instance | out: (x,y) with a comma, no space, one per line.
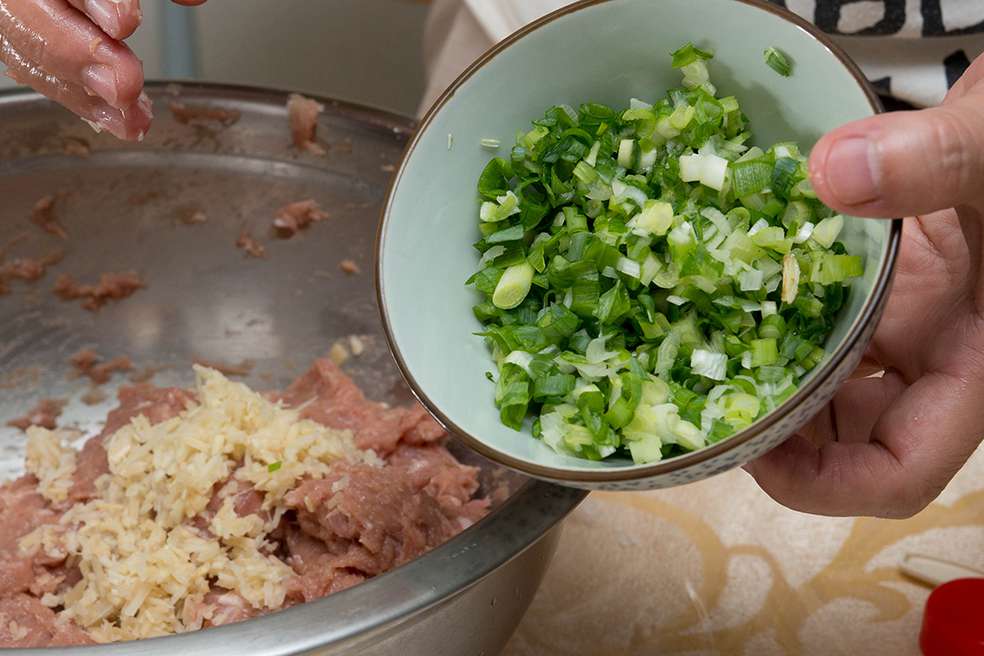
(172,209)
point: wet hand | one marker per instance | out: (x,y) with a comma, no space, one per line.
(73,52)
(888,445)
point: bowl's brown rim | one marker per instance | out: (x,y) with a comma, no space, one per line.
(868,312)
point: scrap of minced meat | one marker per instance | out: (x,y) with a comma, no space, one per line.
(94,396)
(43,215)
(22,510)
(432,469)
(88,363)
(30,269)
(25,622)
(24,269)
(294,217)
(186,114)
(155,403)
(76,146)
(369,519)
(303,116)
(27,269)
(83,361)
(101,373)
(244,368)
(45,414)
(217,608)
(320,571)
(248,244)
(192,216)
(111,287)
(331,398)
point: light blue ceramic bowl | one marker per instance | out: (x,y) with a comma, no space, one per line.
(605,51)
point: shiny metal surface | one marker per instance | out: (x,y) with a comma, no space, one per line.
(127,207)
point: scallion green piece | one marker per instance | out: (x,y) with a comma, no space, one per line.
(513,286)
(778,62)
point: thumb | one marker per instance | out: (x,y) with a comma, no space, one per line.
(904,163)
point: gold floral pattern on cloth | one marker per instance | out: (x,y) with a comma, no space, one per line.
(717,567)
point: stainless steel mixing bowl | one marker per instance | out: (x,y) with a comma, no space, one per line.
(140,207)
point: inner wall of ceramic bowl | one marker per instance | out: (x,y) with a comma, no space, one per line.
(606,53)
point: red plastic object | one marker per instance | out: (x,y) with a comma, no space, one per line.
(953,622)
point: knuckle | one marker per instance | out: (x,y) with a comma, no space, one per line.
(956,151)
(904,498)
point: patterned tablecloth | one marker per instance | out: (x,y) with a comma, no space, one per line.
(717,567)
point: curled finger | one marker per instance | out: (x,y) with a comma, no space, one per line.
(117,18)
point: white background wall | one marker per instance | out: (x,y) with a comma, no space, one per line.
(367,51)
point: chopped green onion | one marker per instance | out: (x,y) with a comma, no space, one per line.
(778,62)
(790,278)
(826,232)
(688,54)
(773,326)
(274,466)
(832,268)
(764,352)
(651,282)
(708,364)
(506,206)
(709,170)
(513,286)
(784,176)
(655,219)
(626,149)
(750,176)
(647,450)
(492,144)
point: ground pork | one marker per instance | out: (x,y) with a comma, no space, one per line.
(244,368)
(27,269)
(433,470)
(371,515)
(23,509)
(43,216)
(218,607)
(111,287)
(30,269)
(155,403)
(320,571)
(330,397)
(90,364)
(302,114)
(358,521)
(297,216)
(25,622)
(349,267)
(186,114)
(248,244)
(45,414)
